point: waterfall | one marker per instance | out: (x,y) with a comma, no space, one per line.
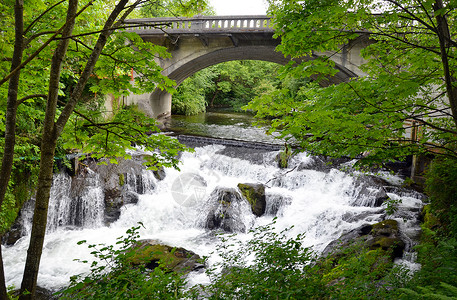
(321,202)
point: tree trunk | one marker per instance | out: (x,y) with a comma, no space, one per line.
(48,146)
(445,43)
(213,98)
(10,121)
(51,132)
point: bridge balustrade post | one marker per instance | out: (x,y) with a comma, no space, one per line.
(197,24)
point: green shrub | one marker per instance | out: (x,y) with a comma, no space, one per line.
(113,276)
(272,266)
(281,269)
(442,188)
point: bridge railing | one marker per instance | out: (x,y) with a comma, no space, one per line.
(201,24)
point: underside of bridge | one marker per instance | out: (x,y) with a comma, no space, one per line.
(161,100)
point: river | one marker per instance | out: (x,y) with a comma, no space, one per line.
(322,202)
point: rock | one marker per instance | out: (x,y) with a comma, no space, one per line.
(255,194)
(370,191)
(226,210)
(40,294)
(153,254)
(384,235)
(322,164)
(275,203)
(13,234)
(114,200)
(159,174)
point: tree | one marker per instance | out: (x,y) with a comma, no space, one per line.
(74,45)
(171,8)
(230,84)
(405,105)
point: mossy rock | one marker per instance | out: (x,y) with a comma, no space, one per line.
(283,158)
(225,210)
(155,255)
(356,262)
(159,174)
(386,236)
(385,226)
(121,179)
(255,194)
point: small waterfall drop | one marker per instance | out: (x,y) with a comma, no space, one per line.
(322,203)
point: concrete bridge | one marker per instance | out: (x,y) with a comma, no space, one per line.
(202,41)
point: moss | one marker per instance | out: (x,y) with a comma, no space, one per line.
(386,224)
(283,157)
(248,193)
(121,179)
(255,195)
(384,243)
(162,256)
(372,264)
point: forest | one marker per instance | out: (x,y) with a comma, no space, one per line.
(59,59)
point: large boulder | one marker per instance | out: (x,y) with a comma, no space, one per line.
(370,191)
(255,194)
(276,204)
(226,210)
(121,183)
(153,254)
(384,235)
(14,233)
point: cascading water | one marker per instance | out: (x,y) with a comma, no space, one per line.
(322,204)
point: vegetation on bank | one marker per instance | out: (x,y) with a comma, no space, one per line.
(231,85)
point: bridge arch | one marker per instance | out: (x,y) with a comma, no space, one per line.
(200,42)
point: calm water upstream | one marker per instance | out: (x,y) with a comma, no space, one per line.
(222,124)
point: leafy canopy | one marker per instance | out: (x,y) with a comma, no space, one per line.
(400,107)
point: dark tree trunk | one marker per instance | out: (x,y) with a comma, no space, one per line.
(51,132)
(213,98)
(445,43)
(10,120)
(48,145)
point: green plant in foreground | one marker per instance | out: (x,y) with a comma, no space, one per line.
(274,266)
(113,276)
(281,268)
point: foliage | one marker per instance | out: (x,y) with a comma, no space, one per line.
(281,268)
(273,266)
(437,277)
(237,82)
(230,84)
(61,54)
(189,98)
(112,74)
(370,114)
(127,131)
(170,8)
(113,276)
(440,185)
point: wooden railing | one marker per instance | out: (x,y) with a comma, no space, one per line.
(201,24)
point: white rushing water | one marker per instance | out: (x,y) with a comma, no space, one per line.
(323,205)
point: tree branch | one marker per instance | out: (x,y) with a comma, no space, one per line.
(42,15)
(44,45)
(20,101)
